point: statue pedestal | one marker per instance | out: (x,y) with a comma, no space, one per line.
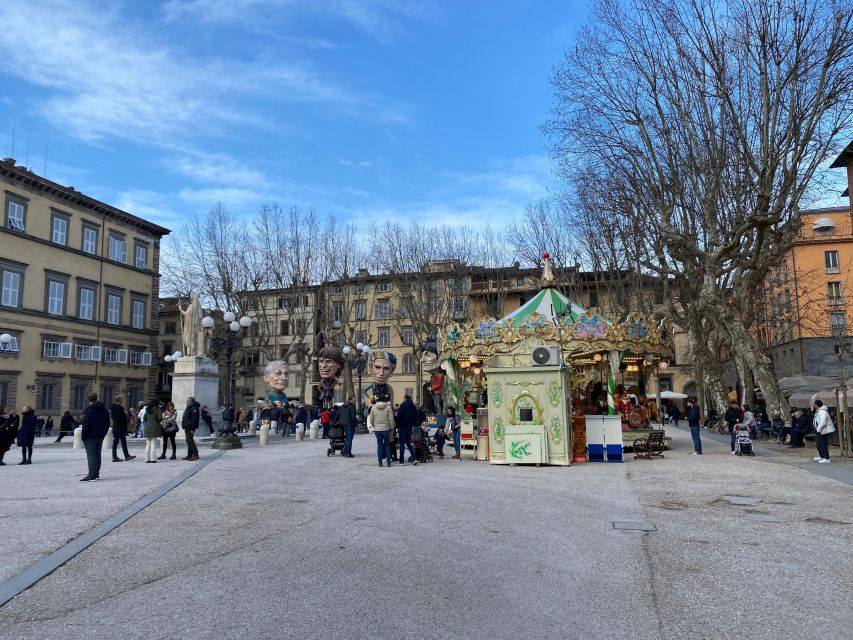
(226,442)
(196,376)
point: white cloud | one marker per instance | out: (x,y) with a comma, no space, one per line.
(218,168)
(346,162)
(150,205)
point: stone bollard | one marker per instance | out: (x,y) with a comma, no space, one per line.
(314,430)
(265,435)
(300,432)
(253,427)
(108,440)
(273,426)
(78,438)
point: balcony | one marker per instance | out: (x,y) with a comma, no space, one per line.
(835,301)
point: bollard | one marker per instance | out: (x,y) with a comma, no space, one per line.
(273,426)
(314,430)
(265,435)
(108,441)
(253,427)
(78,438)
(300,432)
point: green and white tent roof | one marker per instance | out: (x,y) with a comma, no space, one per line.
(548,302)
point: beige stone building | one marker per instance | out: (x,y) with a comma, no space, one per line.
(80,290)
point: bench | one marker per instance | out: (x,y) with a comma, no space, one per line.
(628,437)
(650,447)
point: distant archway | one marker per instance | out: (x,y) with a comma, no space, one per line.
(690,390)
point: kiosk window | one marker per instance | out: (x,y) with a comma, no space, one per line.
(525,415)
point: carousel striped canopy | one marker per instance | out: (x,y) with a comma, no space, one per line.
(550,303)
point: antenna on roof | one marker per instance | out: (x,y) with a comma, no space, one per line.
(46,146)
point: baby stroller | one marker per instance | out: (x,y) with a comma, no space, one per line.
(336,439)
(743,443)
(420,440)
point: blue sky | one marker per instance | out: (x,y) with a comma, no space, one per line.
(365,109)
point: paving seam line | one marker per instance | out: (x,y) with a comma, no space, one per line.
(31,575)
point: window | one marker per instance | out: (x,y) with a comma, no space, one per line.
(833,292)
(16,213)
(408,363)
(337,312)
(409,391)
(114,355)
(361,309)
(459,309)
(408,336)
(12,280)
(79,395)
(59,228)
(593,297)
(118,248)
(137,320)
(383,287)
(12,347)
(141,255)
(831,259)
(295,380)
(167,349)
(284,303)
(47,396)
(300,325)
(55,294)
(164,381)
(382,310)
(134,394)
(406,306)
(87,352)
(113,308)
(665,383)
(838,322)
(384,339)
(56,349)
(170,328)
(86,303)
(90,239)
(140,359)
(337,290)
(285,328)
(108,390)
(360,336)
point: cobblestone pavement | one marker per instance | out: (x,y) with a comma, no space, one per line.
(283,541)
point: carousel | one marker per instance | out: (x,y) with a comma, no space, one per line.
(548,370)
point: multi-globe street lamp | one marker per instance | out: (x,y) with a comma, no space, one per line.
(357,358)
(232,340)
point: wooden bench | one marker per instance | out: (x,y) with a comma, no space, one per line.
(651,447)
(629,436)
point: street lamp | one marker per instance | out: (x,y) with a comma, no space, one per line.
(357,358)
(226,438)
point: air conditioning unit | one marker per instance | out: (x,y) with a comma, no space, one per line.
(545,357)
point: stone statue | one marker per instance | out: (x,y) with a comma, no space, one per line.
(192,334)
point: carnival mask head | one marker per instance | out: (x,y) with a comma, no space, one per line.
(330,359)
(384,363)
(275,375)
(429,355)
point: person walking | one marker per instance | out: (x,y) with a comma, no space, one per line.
(7,436)
(452,424)
(382,418)
(693,416)
(39,426)
(27,434)
(750,421)
(823,425)
(326,421)
(96,423)
(152,430)
(48,427)
(189,423)
(66,425)
(407,418)
(205,416)
(119,418)
(169,423)
(347,420)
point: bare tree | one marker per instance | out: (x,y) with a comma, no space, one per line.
(708,121)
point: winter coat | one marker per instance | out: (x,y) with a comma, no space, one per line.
(346,415)
(382,416)
(407,415)
(67,423)
(96,421)
(151,427)
(167,418)
(823,422)
(189,421)
(27,433)
(693,416)
(119,416)
(7,434)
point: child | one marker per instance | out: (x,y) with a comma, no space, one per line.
(440,437)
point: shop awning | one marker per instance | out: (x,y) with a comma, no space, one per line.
(804,383)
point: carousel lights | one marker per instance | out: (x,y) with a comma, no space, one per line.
(474,359)
(464,364)
(597,357)
(663,364)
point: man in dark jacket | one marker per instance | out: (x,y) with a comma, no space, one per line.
(189,422)
(693,420)
(799,429)
(347,419)
(732,417)
(96,423)
(119,416)
(406,418)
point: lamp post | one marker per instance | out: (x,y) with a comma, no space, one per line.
(358,358)
(169,359)
(232,340)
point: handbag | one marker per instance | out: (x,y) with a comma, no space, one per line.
(170,427)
